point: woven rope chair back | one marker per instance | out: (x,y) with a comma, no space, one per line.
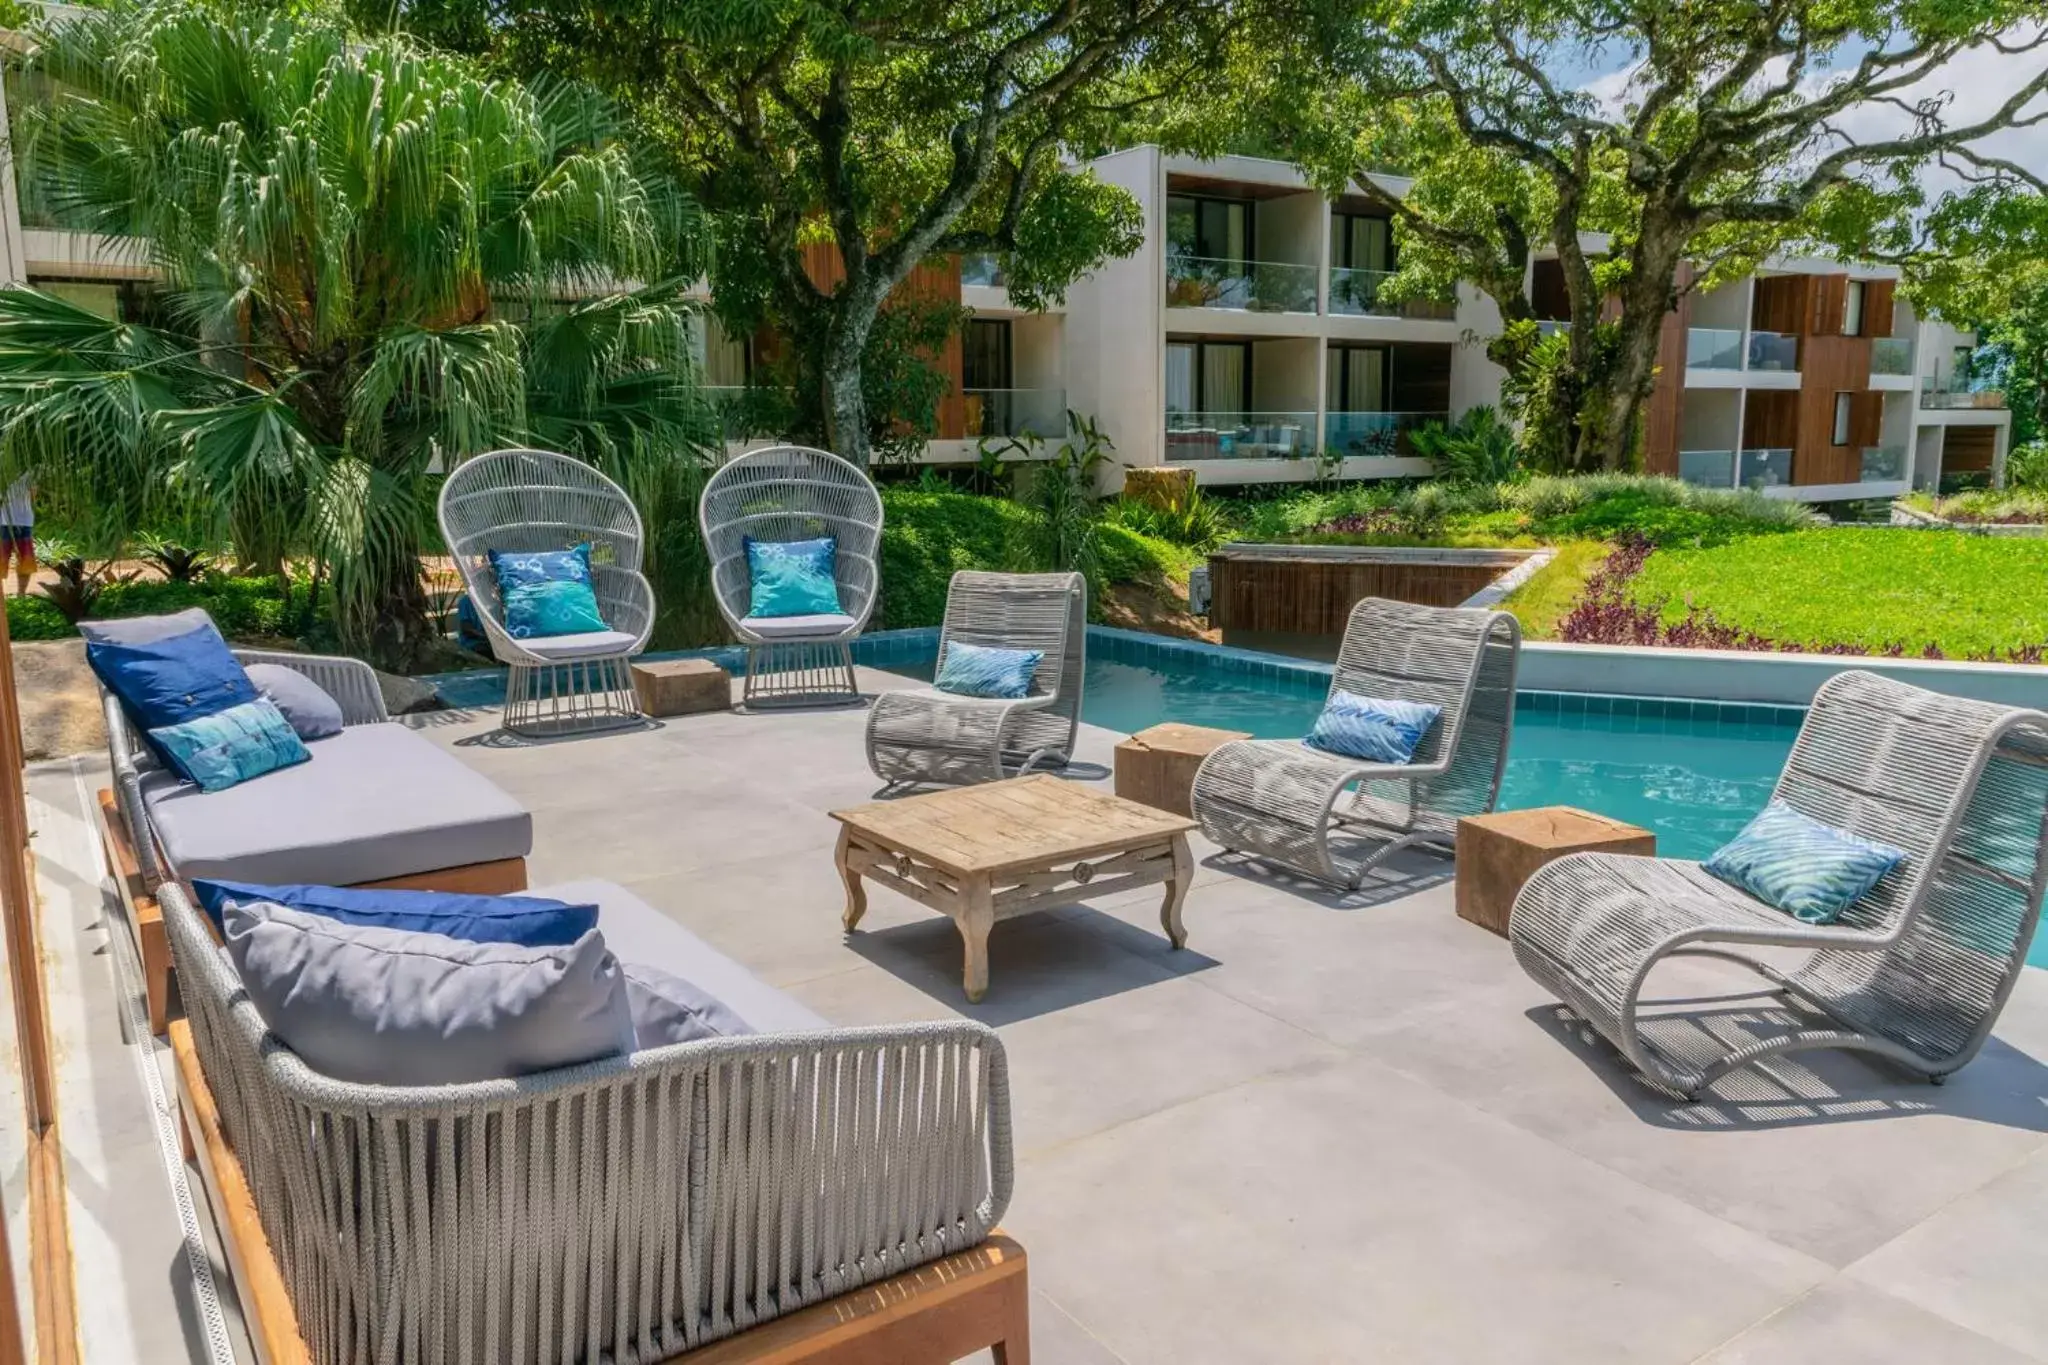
(1447,656)
(514,500)
(791,493)
(1962,787)
(1042,611)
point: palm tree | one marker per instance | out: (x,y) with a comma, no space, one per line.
(374,261)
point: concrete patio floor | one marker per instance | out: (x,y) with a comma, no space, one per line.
(1331,1129)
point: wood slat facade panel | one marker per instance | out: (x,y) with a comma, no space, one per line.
(1968,449)
(1828,365)
(1667,399)
(1784,303)
(1315,598)
(1880,302)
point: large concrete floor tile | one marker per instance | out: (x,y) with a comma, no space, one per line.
(1346,1213)
(1981,1261)
(1095,1036)
(1846,1321)
(635,838)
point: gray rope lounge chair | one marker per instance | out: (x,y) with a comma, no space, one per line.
(1915,971)
(512,500)
(929,736)
(1335,818)
(794,493)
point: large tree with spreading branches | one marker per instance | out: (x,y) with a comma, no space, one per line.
(1738,128)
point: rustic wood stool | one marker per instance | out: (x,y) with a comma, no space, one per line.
(1498,852)
(681,687)
(1156,767)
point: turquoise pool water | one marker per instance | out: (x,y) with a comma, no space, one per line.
(1693,778)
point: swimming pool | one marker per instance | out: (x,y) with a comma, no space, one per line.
(1693,774)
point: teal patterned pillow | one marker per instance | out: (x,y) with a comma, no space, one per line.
(1376,729)
(547,592)
(985,671)
(231,746)
(793,577)
(1811,871)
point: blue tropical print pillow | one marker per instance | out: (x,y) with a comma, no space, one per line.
(547,592)
(231,746)
(1376,729)
(1811,871)
(793,577)
(985,671)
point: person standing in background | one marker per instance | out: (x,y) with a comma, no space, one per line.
(18,535)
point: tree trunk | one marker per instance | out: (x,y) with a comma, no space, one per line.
(841,399)
(1650,292)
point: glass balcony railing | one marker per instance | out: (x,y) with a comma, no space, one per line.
(1550,327)
(1370,435)
(1253,286)
(1239,435)
(1766,468)
(1773,351)
(984,268)
(1954,390)
(1885,464)
(1357,292)
(1707,468)
(1713,348)
(1891,355)
(1015,412)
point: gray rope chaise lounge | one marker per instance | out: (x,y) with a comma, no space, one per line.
(1282,801)
(794,493)
(513,500)
(928,736)
(623,1210)
(1916,970)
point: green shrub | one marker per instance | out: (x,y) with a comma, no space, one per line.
(36,618)
(1478,448)
(243,608)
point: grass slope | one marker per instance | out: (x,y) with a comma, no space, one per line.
(1553,590)
(1873,588)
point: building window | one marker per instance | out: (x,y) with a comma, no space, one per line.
(1843,403)
(1208,377)
(1852,310)
(1357,379)
(1209,229)
(985,354)
(1363,243)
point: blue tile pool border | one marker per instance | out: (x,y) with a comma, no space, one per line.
(886,648)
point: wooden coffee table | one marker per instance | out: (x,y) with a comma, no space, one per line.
(988,853)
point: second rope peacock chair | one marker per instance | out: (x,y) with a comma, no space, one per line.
(790,493)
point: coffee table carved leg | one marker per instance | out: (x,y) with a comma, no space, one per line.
(977,917)
(856,894)
(1177,892)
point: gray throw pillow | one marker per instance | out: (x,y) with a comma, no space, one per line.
(667,1009)
(393,1007)
(144,630)
(311,712)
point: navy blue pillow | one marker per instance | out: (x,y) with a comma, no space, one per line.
(172,680)
(529,921)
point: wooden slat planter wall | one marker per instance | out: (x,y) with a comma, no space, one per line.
(1296,598)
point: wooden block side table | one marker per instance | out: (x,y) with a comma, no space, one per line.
(1156,767)
(681,687)
(1001,849)
(1498,852)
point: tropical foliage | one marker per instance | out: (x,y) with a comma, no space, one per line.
(374,262)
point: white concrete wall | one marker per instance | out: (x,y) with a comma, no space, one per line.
(1285,375)
(1038,357)
(1475,380)
(1291,227)
(1711,419)
(1115,325)
(1727,306)
(1728,675)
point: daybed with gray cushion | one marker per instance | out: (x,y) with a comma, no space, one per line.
(624,1209)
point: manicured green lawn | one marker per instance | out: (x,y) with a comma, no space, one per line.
(1970,596)
(1553,590)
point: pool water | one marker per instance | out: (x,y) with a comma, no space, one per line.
(1694,780)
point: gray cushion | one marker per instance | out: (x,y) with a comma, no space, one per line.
(312,713)
(820,626)
(390,1007)
(144,630)
(667,1009)
(643,936)
(375,801)
(586,645)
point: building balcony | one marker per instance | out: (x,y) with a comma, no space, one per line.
(1372,435)
(1247,286)
(1707,468)
(1356,293)
(1954,391)
(1713,348)
(1891,355)
(1015,412)
(1884,464)
(1550,327)
(1766,468)
(1773,351)
(985,269)
(1239,435)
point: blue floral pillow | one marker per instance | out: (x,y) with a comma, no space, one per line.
(1811,871)
(547,592)
(985,671)
(231,746)
(1376,729)
(793,577)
